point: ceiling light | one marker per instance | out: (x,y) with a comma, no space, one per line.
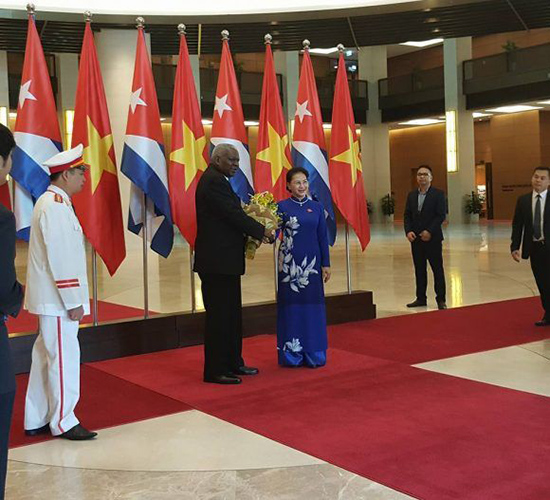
(422,121)
(436,30)
(544,102)
(477,114)
(425,43)
(518,108)
(248,123)
(207,122)
(323,51)
(431,20)
(327,125)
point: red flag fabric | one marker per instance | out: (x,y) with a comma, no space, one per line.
(5,196)
(98,205)
(273,153)
(189,153)
(228,123)
(345,170)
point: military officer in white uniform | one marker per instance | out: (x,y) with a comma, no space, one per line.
(57,291)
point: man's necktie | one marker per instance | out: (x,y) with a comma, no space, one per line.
(536,222)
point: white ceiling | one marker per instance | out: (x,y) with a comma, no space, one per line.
(179,7)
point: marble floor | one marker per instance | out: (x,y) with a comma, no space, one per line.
(194,456)
(477,264)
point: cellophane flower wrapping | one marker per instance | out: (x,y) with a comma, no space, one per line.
(263,208)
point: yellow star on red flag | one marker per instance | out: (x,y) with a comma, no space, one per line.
(96,155)
(190,154)
(352,156)
(274,154)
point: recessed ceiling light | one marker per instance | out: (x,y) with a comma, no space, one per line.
(518,108)
(323,51)
(327,125)
(436,30)
(207,122)
(431,20)
(477,114)
(250,123)
(422,121)
(425,43)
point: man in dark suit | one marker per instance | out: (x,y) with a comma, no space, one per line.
(424,213)
(531,231)
(11,297)
(222,226)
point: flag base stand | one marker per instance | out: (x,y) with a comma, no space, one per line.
(172,331)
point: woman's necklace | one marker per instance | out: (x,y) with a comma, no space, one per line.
(301,203)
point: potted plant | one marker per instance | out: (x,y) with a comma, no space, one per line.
(388,206)
(474,206)
(511,49)
(370,207)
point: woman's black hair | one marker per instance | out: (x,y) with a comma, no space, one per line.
(296,170)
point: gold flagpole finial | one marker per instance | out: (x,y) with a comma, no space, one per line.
(225,35)
(31,9)
(88,16)
(340,48)
(182,29)
(306,43)
(267,39)
(140,23)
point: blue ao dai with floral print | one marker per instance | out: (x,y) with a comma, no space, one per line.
(301,316)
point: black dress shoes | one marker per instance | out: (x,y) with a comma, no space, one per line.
(441,305)
(35,432)
(223,379)
(543,322)
(417,303)
(78,433)
(245,370)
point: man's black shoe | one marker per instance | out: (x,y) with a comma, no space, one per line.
(543,322)
(78,433)
(244,370)
(223,379)
(35,432)
(441,305)
(417,303)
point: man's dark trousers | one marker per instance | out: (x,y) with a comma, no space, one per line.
(223,336)
(432,252)
(7,395)
(540,265)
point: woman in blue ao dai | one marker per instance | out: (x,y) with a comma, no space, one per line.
(303,268)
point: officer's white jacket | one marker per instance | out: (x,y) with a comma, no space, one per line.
(56,269)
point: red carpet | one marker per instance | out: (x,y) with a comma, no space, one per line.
(429,435)
(106,401)
(418,338)
(27,322)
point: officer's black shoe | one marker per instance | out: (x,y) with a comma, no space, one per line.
(35,432)
(78,433)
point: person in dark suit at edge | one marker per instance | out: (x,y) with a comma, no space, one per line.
(425,212)
(531,231)
(11,298)
(222,227)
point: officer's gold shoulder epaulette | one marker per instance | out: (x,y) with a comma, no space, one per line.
(58,198)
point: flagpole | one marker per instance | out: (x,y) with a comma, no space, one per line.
(192,281)
(348,263)
(145,263)
(276,267)
(94,288)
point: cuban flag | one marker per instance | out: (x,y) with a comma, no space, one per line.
(309,149)
(37,134)
(228,123)
(143,159)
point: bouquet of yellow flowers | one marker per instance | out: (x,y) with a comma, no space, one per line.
(262,207)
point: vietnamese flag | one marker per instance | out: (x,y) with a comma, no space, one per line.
(345,170)
(98,205)
(273,156)
(189,154)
